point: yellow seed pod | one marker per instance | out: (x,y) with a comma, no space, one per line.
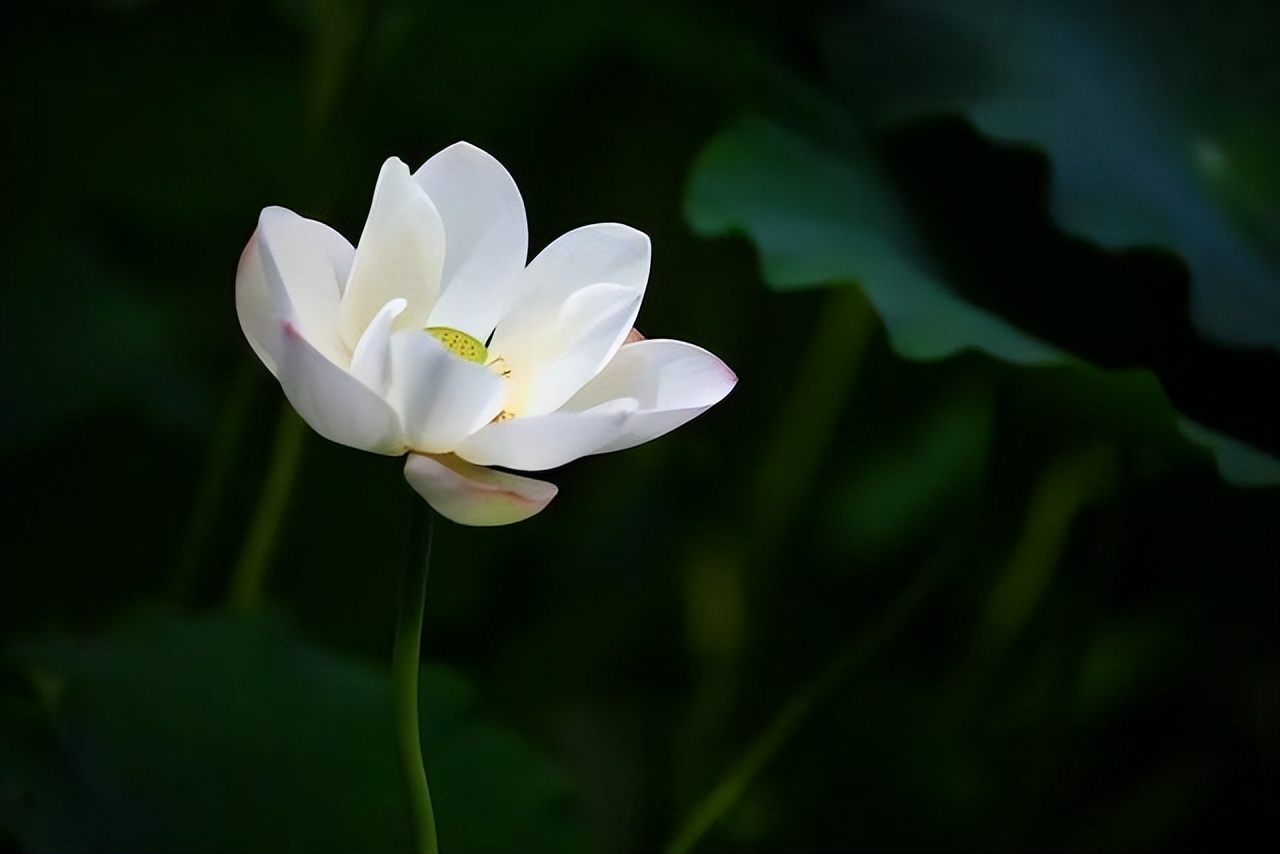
(459,343)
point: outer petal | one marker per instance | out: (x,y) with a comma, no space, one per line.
(441,398)
(336,404)
(674,382)
(292,269)
(575,305)
(546,441)
(486,233)
(401,254)
(262,304)
(471,495)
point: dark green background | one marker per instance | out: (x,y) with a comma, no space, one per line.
(1048,621)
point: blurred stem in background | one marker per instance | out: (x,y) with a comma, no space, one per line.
(404,675)
(716,576)
(337,30)
(228,439)
(1069,483)
(852,657)
(807,420)
(250,572)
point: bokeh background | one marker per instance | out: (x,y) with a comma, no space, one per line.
(980,554)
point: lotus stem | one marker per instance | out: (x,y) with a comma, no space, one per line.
(404,674)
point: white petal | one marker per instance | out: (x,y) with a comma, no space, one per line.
(604,252)
(572,309)
(335,404)
(441,397)
(546,441)
(313,262)
(486,235)
(471,495)
(550,361)
(673,382)
(292,269)
(371,362)
(587,256)
(261,304)
(401,254)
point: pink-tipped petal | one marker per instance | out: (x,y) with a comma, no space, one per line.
(486,235)
(473,495)
(313,262)
(292,270)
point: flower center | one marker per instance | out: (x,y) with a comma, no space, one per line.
(463,345)
(459,343)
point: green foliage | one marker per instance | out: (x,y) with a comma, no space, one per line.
(1155,122)
(957,522)
(854,193)
(820,217)
(230,732)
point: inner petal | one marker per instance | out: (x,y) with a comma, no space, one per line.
(371,361)
(553,352)
(441,397)
(488,239)
(400,254)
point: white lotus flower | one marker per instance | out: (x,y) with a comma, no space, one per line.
(432,337)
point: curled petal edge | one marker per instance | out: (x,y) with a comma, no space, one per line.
(473,495)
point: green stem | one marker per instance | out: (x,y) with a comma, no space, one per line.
(404,675)
(228,439)
(807,421)
(789,460)
(255,557)
(854,655)
(339,28)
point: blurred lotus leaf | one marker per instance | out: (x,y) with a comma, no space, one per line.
(230,732)
(1159,120)
(819,217)
(965,241)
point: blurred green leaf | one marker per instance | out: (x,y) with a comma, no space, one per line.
(229,732)
(1159,120)
(820,216)
(1238,463)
